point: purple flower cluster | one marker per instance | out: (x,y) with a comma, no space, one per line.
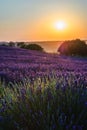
(42,91)
(16,63)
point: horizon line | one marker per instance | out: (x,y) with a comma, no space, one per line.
(40,40)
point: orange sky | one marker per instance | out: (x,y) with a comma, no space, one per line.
(44,29)
(35,20)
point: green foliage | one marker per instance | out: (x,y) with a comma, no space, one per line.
(34,47)
(44,105)
(30,46)
(73,48)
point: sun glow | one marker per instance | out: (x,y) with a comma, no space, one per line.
(60,25)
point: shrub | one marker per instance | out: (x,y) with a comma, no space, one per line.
(21,44)
(73,47)
(12,44)
(34,47)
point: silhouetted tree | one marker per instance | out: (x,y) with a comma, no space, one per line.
(21,44)
(73,47)
(3,44)
(12,44)
(34,47)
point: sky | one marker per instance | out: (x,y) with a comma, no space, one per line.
(35,20)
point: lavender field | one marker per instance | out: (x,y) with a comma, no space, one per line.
(42,91)
(17,63)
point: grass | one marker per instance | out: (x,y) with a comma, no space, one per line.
(48,103)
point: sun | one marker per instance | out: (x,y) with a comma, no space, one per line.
(60,25)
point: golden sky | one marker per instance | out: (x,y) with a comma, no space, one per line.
(36,20)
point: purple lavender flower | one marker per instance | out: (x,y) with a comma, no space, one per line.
(85,103)
(77,127)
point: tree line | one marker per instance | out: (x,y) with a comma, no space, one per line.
(75,47)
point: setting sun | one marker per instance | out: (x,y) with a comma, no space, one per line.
(60,25)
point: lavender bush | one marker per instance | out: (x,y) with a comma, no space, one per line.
(40,91)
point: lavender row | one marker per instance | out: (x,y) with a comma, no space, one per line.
(16,63)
